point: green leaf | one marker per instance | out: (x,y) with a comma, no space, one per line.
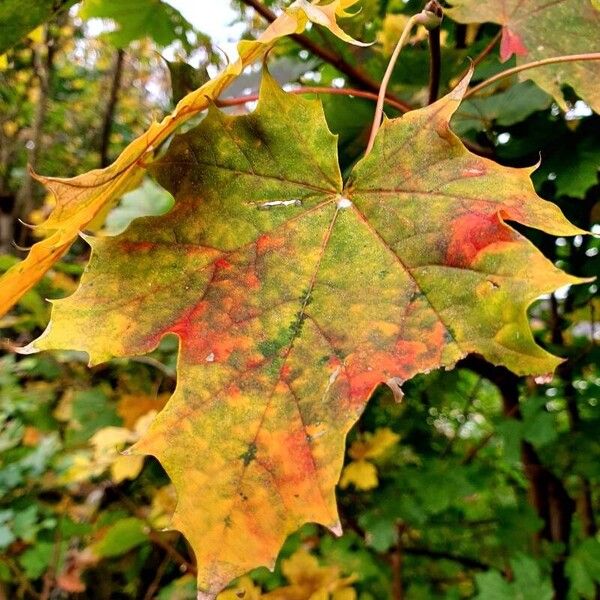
(19,17)
(138,19)
(147,200)
(121,537)
(505,108)
(583,568)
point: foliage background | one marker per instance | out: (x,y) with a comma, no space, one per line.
(478,485)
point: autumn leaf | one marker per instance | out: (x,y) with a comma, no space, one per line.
(538,29)
(79,200)
(295,294)
(361,472)
(309,580)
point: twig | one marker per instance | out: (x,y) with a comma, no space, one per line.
(312,90)
(153,587)
(532,65)
(396,563)
(385,81)
(479,58)
(156,537)
(328,56)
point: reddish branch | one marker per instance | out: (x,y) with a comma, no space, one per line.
(311,90)
(334,59)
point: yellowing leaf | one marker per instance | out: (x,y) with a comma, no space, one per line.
(126,467)
(538,29)
(294,294)
(244,589)
(373,445)
(37,35)
(361,473)
(133,406)
(79,200)
(163,505)
(311,581)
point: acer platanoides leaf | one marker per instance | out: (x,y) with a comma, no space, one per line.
(80,200)
(295,294)
(538,29)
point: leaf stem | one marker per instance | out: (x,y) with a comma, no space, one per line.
(435,51)
(385,81)
(435,64)
(532,65)
(316,90)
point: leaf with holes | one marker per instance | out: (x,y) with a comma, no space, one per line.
(538,29)
(294,294)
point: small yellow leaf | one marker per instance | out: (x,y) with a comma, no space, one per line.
(361,473)
(310,580)
(373,445)
(133,406)
(126,467)
(163,506)
(244,589)
(37,35)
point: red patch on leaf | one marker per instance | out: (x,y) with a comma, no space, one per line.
(266,242)
(511,43)
(470,234)
(222,263)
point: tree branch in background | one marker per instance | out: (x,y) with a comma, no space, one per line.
(43,64)
(109,115)
(547,493)
(338,61)
(310,90)
(585,504)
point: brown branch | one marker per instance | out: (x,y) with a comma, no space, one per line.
(333,58)
(397,563)
(153,587)
(111,107)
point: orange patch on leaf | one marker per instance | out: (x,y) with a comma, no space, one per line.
(266,243)
(471,233)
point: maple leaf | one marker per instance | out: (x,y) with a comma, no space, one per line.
(538,29)
(80,200)
(294,295)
